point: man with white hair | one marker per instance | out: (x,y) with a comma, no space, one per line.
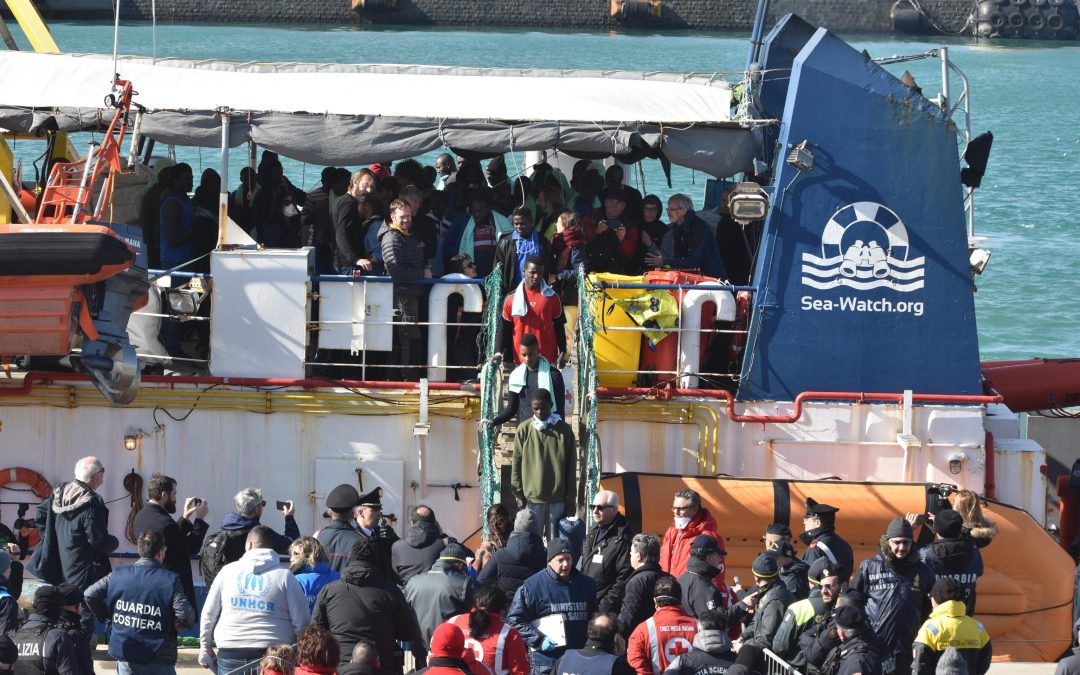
(228,545)
(75,540)
(606,555)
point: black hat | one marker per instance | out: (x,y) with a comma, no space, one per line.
(557,547)
(816,510)
(850,616)
(782,548)
(372,498)
(820,570)
(851,596)
(778,529)
(707,543)
(948,524)
(765,566)
(363,549)
(72,595)
(48,600)
(342,497)
(455,552)
(899,527)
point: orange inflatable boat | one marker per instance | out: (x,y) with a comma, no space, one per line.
(1025,595)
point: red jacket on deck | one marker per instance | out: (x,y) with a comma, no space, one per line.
(675,548)
(657,641)
(502,650)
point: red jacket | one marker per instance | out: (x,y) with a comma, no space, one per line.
(658,640)
(304,669)
(502,650)
(675,548)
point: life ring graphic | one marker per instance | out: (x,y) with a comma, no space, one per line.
(34,480)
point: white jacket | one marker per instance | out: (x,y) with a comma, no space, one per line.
(253,602)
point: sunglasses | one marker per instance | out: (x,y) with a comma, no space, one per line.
(601,507)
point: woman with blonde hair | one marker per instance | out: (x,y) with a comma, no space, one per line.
(310,564)
(977,527)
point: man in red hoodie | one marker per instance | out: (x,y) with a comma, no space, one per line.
(690,521)
(666,635)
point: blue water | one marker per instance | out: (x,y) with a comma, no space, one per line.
(1026,93)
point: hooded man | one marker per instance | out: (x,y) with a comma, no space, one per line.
(43,648)
(954,555)
(711,651)
(821,539)
(443,591)
(254,603)
(802,616)
(607,551)
(74,524)
(362,606)
(421,546)
(551,610)
(522,557)
(897,586)
(690,521)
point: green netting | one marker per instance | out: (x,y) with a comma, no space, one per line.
(586,385)
(489,379)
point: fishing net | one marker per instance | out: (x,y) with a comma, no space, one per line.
(586,385)
(489,391)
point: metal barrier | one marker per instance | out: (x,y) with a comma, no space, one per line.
(774,665)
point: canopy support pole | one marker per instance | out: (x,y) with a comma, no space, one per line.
(223,194)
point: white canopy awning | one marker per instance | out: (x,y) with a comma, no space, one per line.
(350,114)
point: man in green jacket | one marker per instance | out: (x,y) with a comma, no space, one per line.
(543,473)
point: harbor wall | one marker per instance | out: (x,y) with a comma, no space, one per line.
(848,16)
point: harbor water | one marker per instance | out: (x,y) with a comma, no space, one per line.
(1027,93)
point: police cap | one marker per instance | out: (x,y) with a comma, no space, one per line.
(373,498)
(342,497)
(816,510)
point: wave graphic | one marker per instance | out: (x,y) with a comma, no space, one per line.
(836,260)
(862,273)
(864,285)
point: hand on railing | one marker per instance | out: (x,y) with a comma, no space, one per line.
(484,425)
(497,357)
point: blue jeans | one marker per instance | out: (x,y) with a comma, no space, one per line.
(128,668)
(548,516)
(237,659)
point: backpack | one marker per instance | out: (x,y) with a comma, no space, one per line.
(219,550)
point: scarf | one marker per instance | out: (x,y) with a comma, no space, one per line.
(551,421)
(518,306)
(468,241)
(407,231)
(520,375)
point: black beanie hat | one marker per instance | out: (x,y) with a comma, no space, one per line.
(363,549)
(899,527)
(948,524)
(72,595)
(765,566)
(48,600)
(557,547)
(849,617)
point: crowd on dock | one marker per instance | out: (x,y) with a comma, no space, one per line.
(457,218)
(540,594)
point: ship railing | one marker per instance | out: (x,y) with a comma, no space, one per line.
(730,324)
(774,665)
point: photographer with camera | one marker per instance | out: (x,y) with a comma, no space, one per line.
(183,536)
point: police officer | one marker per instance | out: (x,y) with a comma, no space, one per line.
(371,525)
(802,616)
(897,586)
(793,572)
(857,654)
(43,649)
(146,604)
(821,539)
(71,622)
(340,533)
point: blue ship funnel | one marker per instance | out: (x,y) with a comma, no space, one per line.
(863,275)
